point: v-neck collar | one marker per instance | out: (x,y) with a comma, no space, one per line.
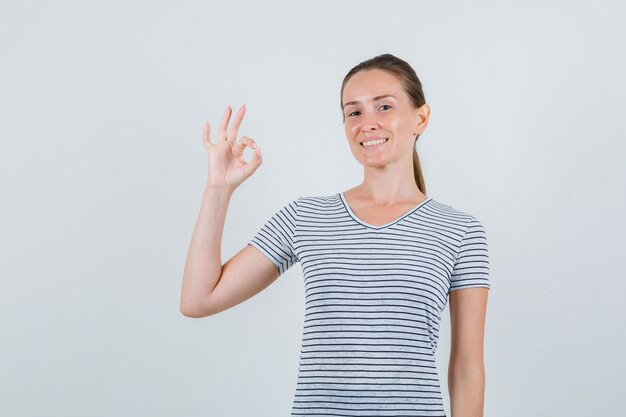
(356,218)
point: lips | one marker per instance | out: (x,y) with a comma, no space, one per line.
(370,139)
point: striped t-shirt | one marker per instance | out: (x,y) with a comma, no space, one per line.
(373,301)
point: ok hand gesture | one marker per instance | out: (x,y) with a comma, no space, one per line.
(227,168)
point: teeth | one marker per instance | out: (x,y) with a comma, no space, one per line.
(374,142)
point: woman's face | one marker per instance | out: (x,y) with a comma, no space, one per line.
(375,106)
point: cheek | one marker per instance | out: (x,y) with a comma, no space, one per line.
(350,128)
(393,121)
(400,125)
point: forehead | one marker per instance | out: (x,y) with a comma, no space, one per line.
(364,85)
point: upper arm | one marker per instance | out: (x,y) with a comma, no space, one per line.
(244,275)
(470,283)
(267,255)
(468,309)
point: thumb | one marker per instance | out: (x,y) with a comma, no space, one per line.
(256,161)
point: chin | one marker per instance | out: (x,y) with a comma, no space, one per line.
(373,163)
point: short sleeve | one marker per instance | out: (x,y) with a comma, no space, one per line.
(275,238)
(471,268)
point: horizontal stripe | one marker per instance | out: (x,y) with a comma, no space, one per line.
(373,300)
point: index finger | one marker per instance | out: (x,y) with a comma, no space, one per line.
(234,128)
(221,134)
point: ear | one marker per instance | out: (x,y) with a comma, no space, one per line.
(424,111)
(423,114)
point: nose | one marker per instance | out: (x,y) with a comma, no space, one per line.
(369,122)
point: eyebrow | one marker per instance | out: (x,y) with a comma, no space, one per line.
(374,99)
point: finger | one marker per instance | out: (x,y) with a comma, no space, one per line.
(206,134)
(241,145)
(245,142)
(255,146)
(255,162)
(221,135)
(234,128)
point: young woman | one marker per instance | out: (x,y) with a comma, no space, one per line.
(380,262)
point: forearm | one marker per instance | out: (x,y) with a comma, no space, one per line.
(203,265)
(467,391)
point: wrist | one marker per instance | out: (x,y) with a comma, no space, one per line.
(217,192)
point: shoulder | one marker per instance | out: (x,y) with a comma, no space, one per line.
(319,201)
(448,210)
(458,219)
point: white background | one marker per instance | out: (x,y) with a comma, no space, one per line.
(102,171)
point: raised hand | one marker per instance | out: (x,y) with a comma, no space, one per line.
(227,168)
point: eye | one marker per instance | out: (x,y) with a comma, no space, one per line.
(386,105)
(352,113)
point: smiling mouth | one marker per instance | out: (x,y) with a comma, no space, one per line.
(375,145)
